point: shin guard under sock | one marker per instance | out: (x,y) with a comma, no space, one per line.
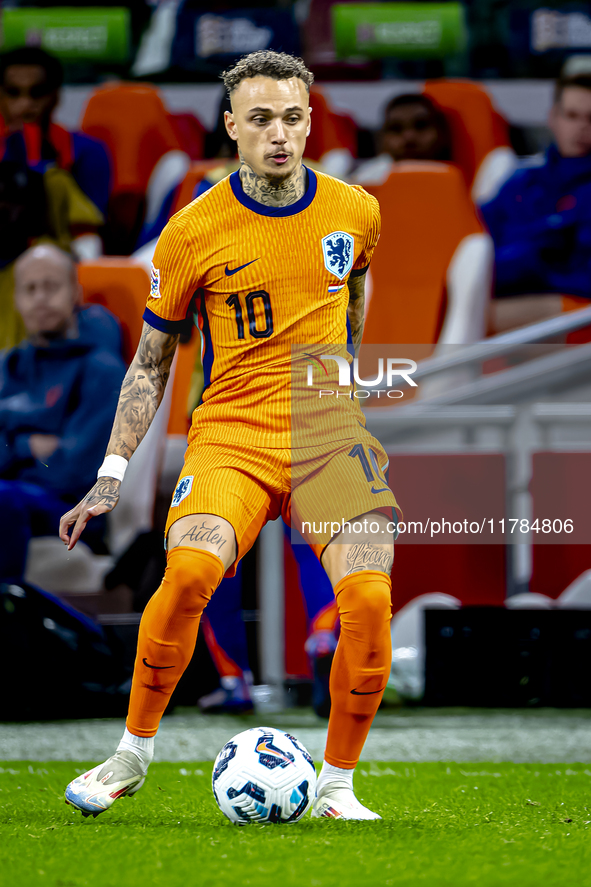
(168,632)
(361,665)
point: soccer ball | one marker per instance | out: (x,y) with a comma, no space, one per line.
(263,775)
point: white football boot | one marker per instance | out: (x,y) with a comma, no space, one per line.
(339,802)
(95,791)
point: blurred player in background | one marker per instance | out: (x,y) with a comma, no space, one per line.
(276,256)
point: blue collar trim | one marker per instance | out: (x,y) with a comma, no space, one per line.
(279,211)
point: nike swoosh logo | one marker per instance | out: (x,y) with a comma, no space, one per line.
(366,692)
(147,664)
(231,271)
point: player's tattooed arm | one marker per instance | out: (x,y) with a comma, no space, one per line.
(273,192)
(141,393)
(142,390)
(356,309)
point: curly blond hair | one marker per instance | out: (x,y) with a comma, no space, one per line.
(266,63)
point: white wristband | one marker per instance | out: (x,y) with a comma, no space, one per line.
(113,466)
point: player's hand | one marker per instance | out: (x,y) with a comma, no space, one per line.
(102,498)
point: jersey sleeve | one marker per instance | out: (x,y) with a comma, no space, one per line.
(372,235)
(173,281)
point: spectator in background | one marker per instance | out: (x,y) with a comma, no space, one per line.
(30,81)
(540,220)
(23,220)
(413,129)
(58,394)
(34,208)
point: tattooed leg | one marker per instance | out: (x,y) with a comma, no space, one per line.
(350,552)
(359,568)
(206,532)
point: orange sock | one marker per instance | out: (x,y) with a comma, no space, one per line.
(361,664)
(168,633)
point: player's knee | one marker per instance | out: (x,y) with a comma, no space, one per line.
(367,601)
(192,576)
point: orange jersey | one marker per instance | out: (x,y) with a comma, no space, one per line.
(264,279)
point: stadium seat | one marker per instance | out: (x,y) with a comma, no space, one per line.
(574,303)
(186,189)
(190,132)
(120,285)
(130,118)
(333,137)
(479,135)
(432,268)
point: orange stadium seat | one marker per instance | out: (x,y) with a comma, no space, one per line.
(190,133)
(329,131)
(476,127)
(426,213)
(197,171)
(130,118)
(121,286)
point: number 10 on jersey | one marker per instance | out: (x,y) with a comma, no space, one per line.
(234,302)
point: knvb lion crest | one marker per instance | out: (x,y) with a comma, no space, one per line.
(338,253)
(183,488)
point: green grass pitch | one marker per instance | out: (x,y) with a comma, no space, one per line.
(452,824)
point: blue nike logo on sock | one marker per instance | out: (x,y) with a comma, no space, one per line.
(231,271)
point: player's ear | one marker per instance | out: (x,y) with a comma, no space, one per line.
(309,127)
(230,125)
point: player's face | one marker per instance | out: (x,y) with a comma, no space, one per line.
(24,95)
(45,295)
(570,121)
(270,120)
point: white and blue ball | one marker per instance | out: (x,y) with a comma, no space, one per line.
(264,775)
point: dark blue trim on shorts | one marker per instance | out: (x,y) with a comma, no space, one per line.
(163,325)
(277,211)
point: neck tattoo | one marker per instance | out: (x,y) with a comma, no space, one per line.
(273,192)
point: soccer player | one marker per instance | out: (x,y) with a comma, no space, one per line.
(272,257)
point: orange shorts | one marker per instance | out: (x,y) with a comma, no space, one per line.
(312,488)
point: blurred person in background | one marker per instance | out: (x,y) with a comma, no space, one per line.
(23,220)
(58,394)
(30,82)
(413,129)
(34,208)
(540,220)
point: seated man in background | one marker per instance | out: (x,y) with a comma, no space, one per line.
(540,220)
(58,394)
(30,81)
(413,129)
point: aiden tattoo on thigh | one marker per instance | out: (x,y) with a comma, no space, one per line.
(204,533)
(365,556)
